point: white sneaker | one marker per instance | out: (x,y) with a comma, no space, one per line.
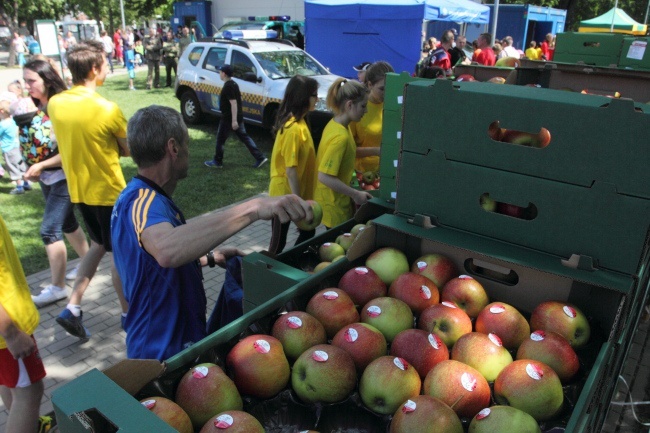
(49,295)
(72,275)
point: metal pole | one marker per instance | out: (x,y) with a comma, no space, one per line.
(122,10)
(645,21)
(494,22)
(614,15)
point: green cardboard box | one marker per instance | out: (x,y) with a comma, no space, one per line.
(635,54)
(598,49)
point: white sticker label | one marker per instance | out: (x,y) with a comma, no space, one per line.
(448,304)
(483,413)
(294,322)
(361,270)
(320,356)
(569,311)
(374,311)
(399,135)
(409,406)
(351,335)
(330,295)
(223,421)
(400,99)
(262,346)
(347,235)
(495,339)
(435,341)
(422,265)
(534,371)
(425,292)
(637,50)
(149,404)
(538,336)
(393,195)
(400,363)
(327,244)
(468,381)
(497,309)
(465,277)
(200,372)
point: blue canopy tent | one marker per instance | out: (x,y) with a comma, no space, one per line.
(344,33)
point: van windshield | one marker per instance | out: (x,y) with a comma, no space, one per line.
(286,64)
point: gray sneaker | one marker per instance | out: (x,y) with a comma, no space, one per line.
(72,275)
(49,295)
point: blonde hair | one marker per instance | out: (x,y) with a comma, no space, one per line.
(342,91)
(4,107)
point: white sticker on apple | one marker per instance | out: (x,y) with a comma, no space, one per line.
(320,356)
(538,336)
(435,341)
(149,404)
(361,270)
(422,265)
(351,335)
(425,292)
(374,311)
(468,381)
(569,311)
(448,304)
(400,363)
(347,235)
(330,295)
(495,339)
(262,346)
(223,421)
(497,309)
(200,372)
(327,244)
(534,371)
(294,322)
(409,406)
(465,277)
(483,413)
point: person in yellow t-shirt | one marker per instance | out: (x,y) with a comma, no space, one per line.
(21,367)
(337,152)
(91,133)
(533,52)
(367,131)
(293,161)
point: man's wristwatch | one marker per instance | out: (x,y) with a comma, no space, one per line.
(210,257)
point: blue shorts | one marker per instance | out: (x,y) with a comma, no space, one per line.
(58,217)
(131,73)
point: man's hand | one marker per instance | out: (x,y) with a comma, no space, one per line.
(287,208)
(222,255)
(235,125)
(20,344)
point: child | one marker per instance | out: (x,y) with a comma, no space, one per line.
(293,160)
(129,58)
(139,53)
(16,88)
(11,149)
(337,151)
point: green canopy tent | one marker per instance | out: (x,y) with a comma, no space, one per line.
(623,23)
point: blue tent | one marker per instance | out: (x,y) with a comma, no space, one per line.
(344,33)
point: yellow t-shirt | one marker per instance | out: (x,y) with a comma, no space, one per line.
(533,54)
(367,133)
(336,156)
(15,297)
(86,127)
(293,147)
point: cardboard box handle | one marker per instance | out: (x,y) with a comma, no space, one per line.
(490,271)
(92,420)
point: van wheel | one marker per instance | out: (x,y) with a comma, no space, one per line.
(191,109)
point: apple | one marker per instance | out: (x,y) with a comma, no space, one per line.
(465,77)
(345,240)
(391,316)
(169,412)
(510,210)
(387,382)
(553,350)
(503,419)
(510,62)
(358,228)
(460,386)
(363,342)
(483,352)
(467,293)
(488,204)
(334,309)
(495,131)
(323,374)
(234,421)
(362,284)
(436,267)
(389,263)
(329,251)
(258,366)
(317,210)
(425,414)
(505,321)
(422,349)
(376,183)
(298,331)
(565,319)
(369,176)
(322,265)
(205,390)
(531,386)
(447,321)
(418,291)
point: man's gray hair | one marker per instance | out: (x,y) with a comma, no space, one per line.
(150,129)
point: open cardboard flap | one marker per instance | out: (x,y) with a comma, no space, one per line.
(133,374)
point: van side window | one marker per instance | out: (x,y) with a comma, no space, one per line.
(241,64)
(215,59)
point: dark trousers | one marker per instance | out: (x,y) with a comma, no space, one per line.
(153,68)
(225,128)
(170,65)
(279,233)
(109,57)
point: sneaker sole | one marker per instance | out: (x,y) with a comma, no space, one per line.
(72,330)
(41,304)
(261,164)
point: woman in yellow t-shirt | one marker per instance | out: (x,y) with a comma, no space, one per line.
(337,152)
(533,53)
(367,131)
(293,160)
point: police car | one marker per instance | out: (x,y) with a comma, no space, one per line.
(262,69)
(282,24)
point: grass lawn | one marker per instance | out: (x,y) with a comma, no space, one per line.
(204,189)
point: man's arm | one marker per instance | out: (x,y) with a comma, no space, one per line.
(176,246)
(123,147)
(233,108)
(33,173)
(20,344)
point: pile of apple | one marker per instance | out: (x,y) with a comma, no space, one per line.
(368,180)
(329,252)
(418,343)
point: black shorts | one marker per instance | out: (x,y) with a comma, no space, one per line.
(98,223)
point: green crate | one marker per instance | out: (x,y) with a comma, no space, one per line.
(635,54)
(393,98)
(388,189)
(598,49)
(390,143)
